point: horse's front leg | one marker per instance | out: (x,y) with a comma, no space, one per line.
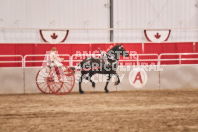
(80,81)
(117,82)
(109,77)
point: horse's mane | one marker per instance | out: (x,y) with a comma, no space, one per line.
(111,47)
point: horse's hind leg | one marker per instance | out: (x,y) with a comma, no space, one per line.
(109,77)
(80,81)
(116,83)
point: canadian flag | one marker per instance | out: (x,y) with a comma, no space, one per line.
(54,36)
(157,35)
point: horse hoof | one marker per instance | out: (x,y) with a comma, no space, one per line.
(116,83)
(107,91)
(81,92)
(93,85)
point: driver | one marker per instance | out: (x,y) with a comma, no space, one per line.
(56,62)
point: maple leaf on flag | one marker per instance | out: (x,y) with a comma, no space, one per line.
(54,36)
(157,36)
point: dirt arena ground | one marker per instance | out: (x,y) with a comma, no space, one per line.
(149,111)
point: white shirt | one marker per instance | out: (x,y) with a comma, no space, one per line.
(56,61)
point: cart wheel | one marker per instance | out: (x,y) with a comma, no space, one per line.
(42,79)
(66,85)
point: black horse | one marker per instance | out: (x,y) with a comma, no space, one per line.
(92,65)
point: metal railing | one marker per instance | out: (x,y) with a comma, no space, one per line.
(136,58)
(107,29)
(179,58)
(13,61)
(43,60)
(131,58)
(82,56)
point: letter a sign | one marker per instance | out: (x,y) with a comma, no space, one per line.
(138,77)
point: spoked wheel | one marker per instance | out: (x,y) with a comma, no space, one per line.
(65,85)
(54,82)
(50,81)
(42,79)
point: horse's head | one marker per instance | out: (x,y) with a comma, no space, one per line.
(122,51)
(118,50)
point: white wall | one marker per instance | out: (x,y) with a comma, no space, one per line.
(155,14)
(94,14)
(19,80)
(53,14)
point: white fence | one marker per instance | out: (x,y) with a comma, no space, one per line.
(76,58)
(45,59)
(180,57)
(22,79)
(20,61)
(137,58)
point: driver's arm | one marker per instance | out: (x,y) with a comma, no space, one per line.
(58,58)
